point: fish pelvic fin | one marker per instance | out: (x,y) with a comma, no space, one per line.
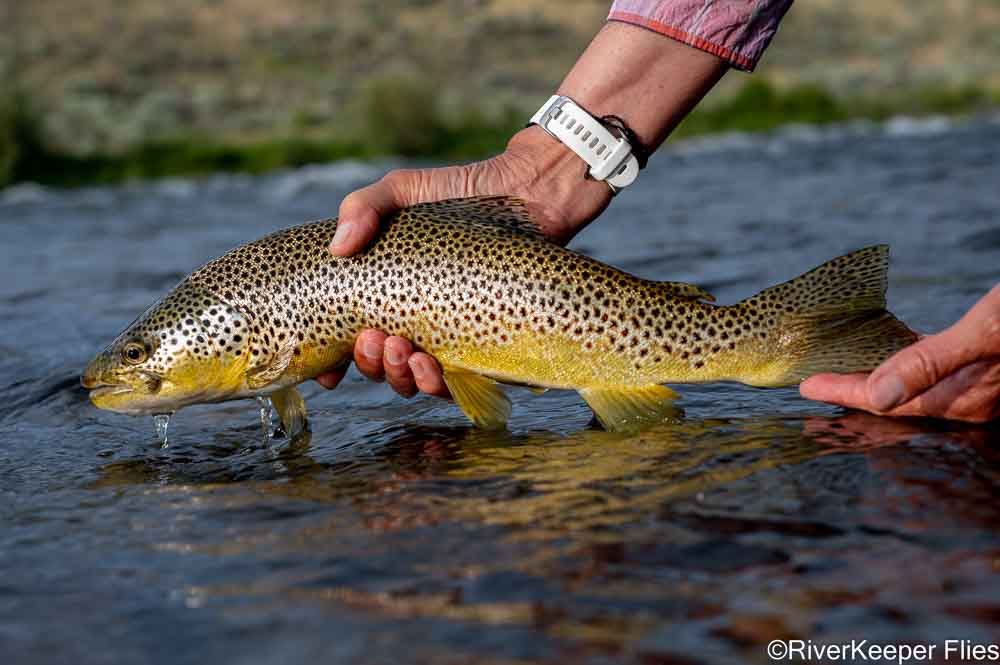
(834,319)
(632,409)
(480,398)
(291,409)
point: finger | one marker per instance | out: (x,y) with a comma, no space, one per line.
(916,368)
(923,364)
(331,379)
(397,370)
(852,391)
(368,350)
(971,394)
(362,210)
(843,389)
(428,375)
(359,217)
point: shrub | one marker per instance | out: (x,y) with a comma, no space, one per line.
(401,115)
(22,150)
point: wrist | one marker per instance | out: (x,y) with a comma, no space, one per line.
(553,178)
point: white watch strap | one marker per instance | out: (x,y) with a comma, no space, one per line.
(610,158)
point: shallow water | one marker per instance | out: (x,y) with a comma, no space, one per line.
(395,533)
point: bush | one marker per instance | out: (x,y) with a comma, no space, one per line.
(760,106)
(402,116)
(22,150)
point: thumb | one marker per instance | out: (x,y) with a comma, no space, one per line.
(362,210)
(927,362)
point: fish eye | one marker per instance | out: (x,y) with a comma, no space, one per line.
(134,353)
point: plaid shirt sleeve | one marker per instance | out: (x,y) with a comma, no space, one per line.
(737,31)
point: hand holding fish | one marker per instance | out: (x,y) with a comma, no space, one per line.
(534,168)
(621,72)
(954,374)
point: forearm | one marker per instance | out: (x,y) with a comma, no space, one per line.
(650,81)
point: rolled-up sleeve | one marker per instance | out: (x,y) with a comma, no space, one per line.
(737,31)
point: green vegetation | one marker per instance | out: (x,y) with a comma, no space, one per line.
(23,154)
(759,106)
(405,116)
(426,129)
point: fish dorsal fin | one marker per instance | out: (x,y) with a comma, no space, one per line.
(685,290)
(633,408)
(291,409)
(480,398)
(270,367)
(506,212)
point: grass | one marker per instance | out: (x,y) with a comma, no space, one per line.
(759,106)
(397,116)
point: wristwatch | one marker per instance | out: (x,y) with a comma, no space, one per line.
(610,158)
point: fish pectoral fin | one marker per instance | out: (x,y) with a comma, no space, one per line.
(631,409)
(480,398)
(269,370)
(291,409)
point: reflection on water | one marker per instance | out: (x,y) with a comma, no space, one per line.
(597,539)
(394,533)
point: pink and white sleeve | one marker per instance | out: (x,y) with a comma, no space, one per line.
(737,31)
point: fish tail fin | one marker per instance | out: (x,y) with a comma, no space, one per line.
(832,319)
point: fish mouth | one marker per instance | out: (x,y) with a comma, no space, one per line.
(104,391)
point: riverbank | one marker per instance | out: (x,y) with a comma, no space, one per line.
(430,130)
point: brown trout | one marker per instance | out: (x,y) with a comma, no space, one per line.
(473,283)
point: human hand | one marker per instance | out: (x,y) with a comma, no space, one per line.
(535,168)
(954,374)
(622,72)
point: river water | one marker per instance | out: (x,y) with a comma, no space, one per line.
(397,534)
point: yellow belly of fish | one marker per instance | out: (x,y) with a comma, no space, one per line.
(314,359)
(554,361)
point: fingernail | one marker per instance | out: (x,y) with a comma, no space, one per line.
(418,370)
(371,350)
(343,235)
(394,356)
(887,393)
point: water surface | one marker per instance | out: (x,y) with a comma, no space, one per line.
(396,533)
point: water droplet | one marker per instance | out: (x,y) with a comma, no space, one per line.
(161,421)
(266,416)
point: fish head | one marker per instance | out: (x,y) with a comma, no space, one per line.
(188,348)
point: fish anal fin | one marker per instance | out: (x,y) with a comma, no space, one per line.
(630,409)
(480,398)
(270,369)
(291,409)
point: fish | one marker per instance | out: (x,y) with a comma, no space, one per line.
(474,283)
